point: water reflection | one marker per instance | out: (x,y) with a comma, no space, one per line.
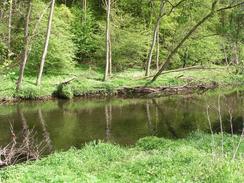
(62,124)
(46,135)
(22,145)
(108,119)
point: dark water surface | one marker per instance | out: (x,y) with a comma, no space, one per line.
(62,124)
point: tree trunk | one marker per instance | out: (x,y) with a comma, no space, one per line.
(108,7)
(158,48)
(84,9)
(10,27)
(38,82)
(26,48)
(192,30)
(110,58)
(149,61)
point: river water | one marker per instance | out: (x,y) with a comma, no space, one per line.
(62,124)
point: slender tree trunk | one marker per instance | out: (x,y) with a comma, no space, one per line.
(108,7)
(26,48)
(192,30)
(10,26)
(84,9)
(149,61)
(38,82)
(110,58)
(158,49)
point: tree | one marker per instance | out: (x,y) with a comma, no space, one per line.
(231,29)
(49,27)
(191,31)
(158,48)
(26,47)
(162,13)
(108,42)
(10,26)
(84,9)
(156,28)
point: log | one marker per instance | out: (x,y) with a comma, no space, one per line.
(67,81)
(168,90)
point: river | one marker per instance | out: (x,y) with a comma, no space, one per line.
(62,124)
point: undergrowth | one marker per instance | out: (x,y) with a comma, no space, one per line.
(152,159)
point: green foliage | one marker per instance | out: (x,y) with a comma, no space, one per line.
(64,92)
(61,47)
(79,37)
(90,82)
(3,53)
(83,28)
(30,92)
(130,41)
(151,160)
(203,50)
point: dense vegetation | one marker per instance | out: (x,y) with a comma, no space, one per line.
(72,48)
(195,159)
(139,34)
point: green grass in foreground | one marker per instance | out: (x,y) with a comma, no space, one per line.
(150,160)
(90,81)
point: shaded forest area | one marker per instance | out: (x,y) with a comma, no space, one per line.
(41,37)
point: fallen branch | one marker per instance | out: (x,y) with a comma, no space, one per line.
(67,81)
(168,90)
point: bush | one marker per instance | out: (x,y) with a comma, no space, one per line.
(29,93)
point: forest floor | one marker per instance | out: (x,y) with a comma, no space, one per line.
(198,158)
(87,82)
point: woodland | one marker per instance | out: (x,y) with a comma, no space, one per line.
(121,91)
(130,38)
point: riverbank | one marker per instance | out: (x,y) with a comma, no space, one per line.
(194,159)
(87,82)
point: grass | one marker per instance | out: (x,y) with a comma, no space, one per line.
(152,159)
(90,81)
